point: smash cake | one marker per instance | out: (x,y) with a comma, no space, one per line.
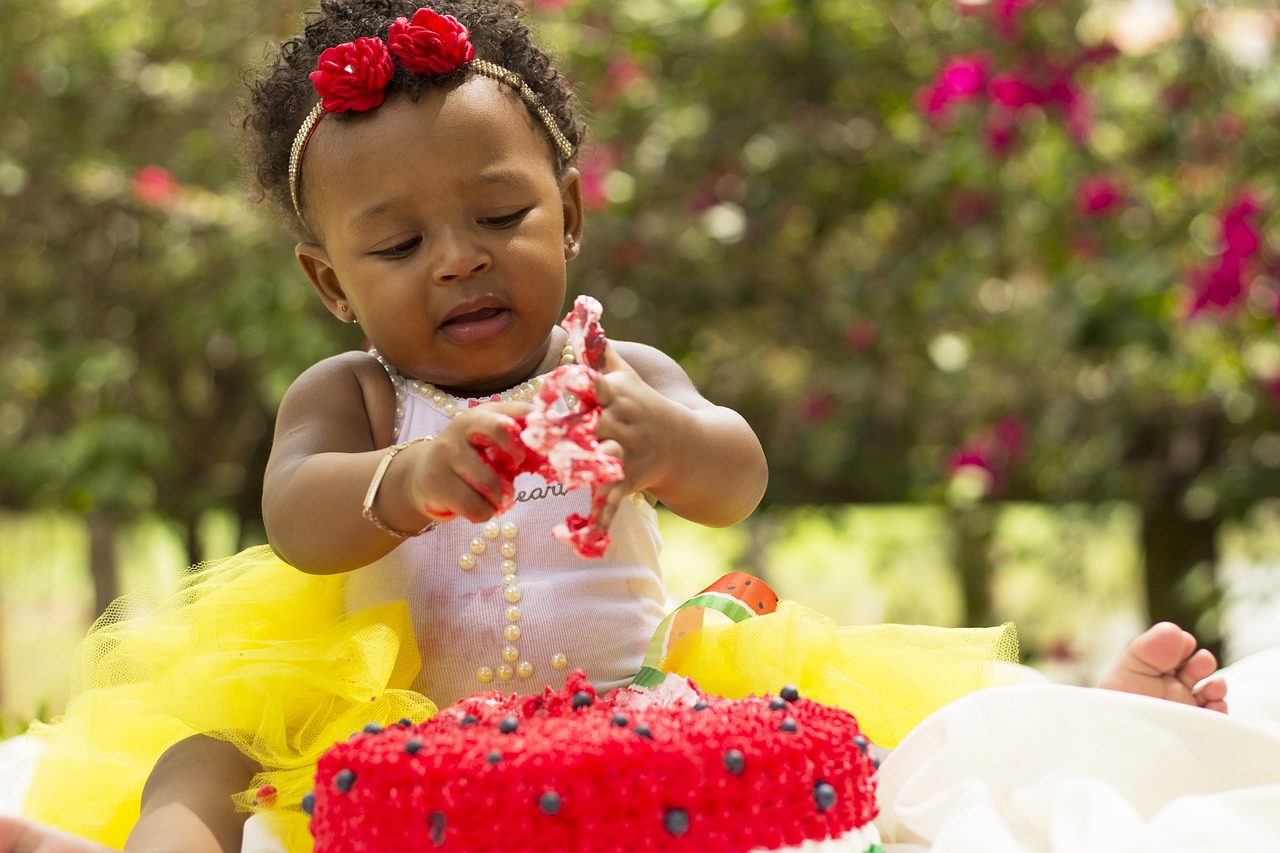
(667,767)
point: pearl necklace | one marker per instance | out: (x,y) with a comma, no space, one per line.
(451,406)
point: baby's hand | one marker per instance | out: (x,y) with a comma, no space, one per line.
(637,424)
(451,477)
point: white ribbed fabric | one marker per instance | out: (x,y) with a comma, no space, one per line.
(599,614)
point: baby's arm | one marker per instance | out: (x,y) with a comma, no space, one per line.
(702,461)
(331,434)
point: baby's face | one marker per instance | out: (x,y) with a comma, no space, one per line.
(444,226)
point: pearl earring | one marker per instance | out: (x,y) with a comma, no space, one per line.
(570,247)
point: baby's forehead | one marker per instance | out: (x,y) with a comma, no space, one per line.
(477,120)
(463,139)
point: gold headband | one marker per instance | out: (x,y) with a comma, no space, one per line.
(480,66)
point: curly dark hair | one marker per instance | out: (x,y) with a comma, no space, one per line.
(280,97)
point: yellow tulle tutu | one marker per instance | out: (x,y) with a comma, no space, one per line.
(252,651)
(246,649)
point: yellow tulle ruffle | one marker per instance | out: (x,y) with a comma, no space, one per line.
(889,676)
(246,649)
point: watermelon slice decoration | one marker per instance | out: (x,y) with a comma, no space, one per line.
(737,595)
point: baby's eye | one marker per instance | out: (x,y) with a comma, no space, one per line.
(399,249)
(504,221)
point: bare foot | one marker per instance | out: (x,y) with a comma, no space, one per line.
(20,836)
(1163,662)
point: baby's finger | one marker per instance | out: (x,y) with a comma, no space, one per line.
(499,422)
(486,490)
(612,362)
(613,367)
(609,498)
(465,501)
(496,494)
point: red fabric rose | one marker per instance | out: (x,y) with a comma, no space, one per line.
(353,76)
(430,44)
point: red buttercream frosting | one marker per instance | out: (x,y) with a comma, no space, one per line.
(568,770)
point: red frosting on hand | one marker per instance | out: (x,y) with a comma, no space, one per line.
(562,446)
(585,332)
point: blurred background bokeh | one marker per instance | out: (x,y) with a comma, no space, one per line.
(996,283)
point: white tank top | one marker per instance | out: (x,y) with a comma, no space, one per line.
(504,606)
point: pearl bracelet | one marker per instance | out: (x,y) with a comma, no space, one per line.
(376,482)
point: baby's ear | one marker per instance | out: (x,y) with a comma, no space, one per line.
(571,204)
(315,263)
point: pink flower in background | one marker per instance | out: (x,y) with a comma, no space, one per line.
(1000,131)
(1076,106)
(1034,82)
(817,406)
(1100,52)
(594,171)
(1230,126)
(860,335)
(1005,14)
(1085,247)
(962,79)
(620,76)
(970,207)
(991,453)
(1239,235)
(970,456)
(1097,195)
(1221,285)
(1020,90)
(623,73)
(155,185)
(1010,437)
(1175,97)
(1015,91)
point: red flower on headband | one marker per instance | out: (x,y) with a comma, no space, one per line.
(353,76)
(430,44)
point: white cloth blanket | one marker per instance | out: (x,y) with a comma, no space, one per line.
(1042,767)
(1031,768)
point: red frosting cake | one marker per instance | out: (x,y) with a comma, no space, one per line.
(670,769)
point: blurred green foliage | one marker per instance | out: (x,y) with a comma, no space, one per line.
(908,304)
(152,318)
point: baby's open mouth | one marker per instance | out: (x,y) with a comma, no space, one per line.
(478,325)
(477,316)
